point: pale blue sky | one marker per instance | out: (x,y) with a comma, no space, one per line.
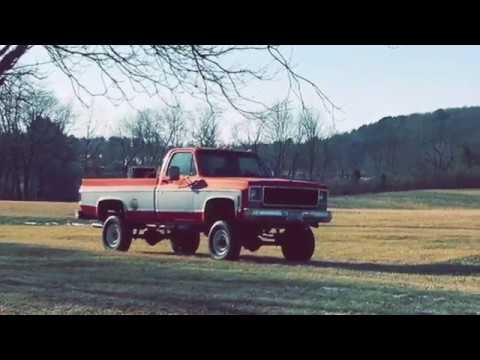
(367,82)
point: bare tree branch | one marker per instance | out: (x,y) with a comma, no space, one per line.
(165,70)
(205,132)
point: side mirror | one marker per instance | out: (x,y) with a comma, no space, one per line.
(174,173)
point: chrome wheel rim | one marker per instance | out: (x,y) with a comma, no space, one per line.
(220,242)
(113,235)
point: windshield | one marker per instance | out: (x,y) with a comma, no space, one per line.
(230,164)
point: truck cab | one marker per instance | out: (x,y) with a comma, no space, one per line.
(228,195)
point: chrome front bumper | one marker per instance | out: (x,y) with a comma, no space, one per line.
(287,216)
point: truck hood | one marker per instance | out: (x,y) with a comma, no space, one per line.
(243,183)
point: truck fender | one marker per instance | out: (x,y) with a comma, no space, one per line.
(102,199)
(235,199)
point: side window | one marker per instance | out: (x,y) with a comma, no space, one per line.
(184,161)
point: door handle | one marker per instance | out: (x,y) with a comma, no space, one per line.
(198,184)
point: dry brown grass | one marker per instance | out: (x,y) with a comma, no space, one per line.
(38,209)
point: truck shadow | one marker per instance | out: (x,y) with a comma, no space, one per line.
(169,253)
(449,269)
(455,268)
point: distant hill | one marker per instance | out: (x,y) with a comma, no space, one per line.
(457,124)
(438,149)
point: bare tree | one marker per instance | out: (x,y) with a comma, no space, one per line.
(46,123)
(440,155)
(249,133)
(205,71)
(309,122)
(174,120)
(205,132)
(12,110)
(298,139)
(438,145)
(128,148)
(146,137)
(279,134)
(377,157)
(91,147)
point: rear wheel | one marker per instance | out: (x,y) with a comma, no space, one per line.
(223,241)
(117,235)
(298,243)
(152,237)
(185,242)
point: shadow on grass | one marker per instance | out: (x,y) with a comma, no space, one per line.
(441,269)
(37,279)
(451,269)
(172,254)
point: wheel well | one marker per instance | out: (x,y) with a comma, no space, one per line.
(219,209)
(109,207)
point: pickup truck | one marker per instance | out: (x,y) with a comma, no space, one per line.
(228,195)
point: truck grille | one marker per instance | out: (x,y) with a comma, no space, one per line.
(291,197)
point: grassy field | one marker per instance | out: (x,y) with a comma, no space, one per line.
(420,199)
(30,209)
(368,261)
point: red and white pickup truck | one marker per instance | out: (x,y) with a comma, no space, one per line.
(228,195)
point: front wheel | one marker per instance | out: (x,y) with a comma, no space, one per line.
(116,236)
(223,241)
(298,243)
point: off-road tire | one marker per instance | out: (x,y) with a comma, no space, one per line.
(152,237)
(224,241)
(185,242)
(298,244)
(116,235)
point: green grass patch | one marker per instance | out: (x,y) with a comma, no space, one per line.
(420,199)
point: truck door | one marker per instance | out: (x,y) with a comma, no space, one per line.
(174,198)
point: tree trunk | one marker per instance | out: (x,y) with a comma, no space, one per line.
(9,59)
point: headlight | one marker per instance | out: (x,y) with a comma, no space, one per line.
(255,194)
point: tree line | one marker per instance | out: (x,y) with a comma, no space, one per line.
(40,161)
(440,149)
(37,157)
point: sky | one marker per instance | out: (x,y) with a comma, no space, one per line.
(366,82)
